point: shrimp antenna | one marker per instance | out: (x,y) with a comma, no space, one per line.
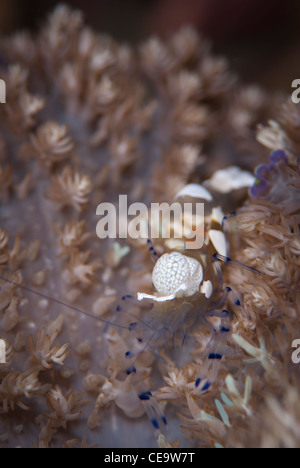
(224,259)
(61,303)
(152,250)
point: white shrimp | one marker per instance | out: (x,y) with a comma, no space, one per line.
(188,289)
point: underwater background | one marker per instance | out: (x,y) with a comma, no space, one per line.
(105,99)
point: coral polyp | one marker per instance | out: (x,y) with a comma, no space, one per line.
(85,120)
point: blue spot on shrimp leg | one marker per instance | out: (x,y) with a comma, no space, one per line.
(145,339)
(152,409)
(221,301)
(219,274)
(152,250)
(228,290)
(238,304)
(140,346)
(217,259)
(223,314)
(226,217)
(211,365)
(123,305)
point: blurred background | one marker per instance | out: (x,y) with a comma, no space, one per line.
(260,38)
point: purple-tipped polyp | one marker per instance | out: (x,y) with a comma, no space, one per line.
(278,156)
